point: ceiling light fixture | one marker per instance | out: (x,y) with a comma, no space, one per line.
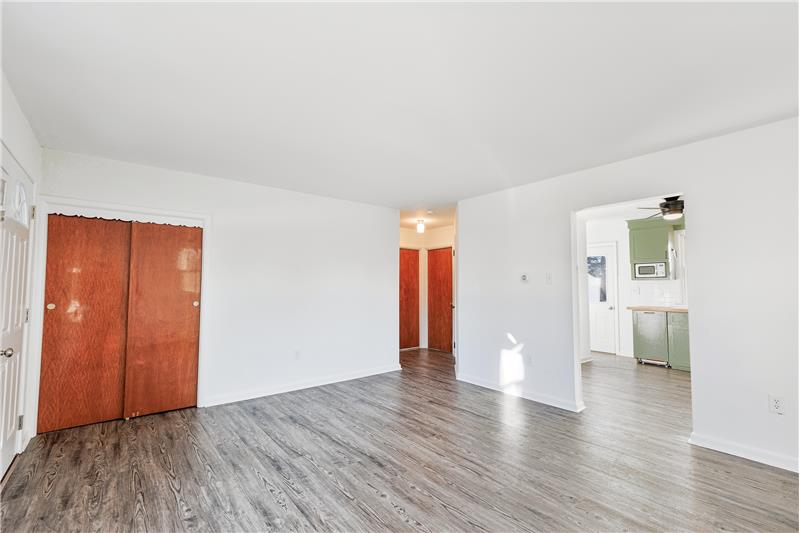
(420,226)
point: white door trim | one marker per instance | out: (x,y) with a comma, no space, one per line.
(612,244)
(48,204)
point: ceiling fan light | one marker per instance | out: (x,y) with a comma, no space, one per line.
(420,226)
(671,208)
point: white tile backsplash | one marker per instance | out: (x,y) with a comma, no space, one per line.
(656,292)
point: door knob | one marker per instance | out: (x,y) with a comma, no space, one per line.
(8,352)
(610,307)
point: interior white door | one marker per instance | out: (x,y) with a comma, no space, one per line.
(15,189)
(601,262)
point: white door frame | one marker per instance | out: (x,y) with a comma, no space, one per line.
(612,244)
(47,205)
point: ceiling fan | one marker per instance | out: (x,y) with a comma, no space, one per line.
(671,208)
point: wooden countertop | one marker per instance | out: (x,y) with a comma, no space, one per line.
(658,308)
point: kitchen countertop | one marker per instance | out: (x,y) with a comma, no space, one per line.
(659,308)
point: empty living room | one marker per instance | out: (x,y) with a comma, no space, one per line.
(430,266)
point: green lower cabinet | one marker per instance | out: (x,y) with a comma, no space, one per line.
(678,333)
(650,335)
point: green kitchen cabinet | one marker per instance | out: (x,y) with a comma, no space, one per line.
(648,242)
(650,335)
(678,339)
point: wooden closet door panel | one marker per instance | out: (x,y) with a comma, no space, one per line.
(440,299)
(163,318)
(409,298)
(86,304)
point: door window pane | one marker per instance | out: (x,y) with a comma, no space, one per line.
(597,278)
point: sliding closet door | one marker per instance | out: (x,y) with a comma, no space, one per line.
(163,318)
(83,344)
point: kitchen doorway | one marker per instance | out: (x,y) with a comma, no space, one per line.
(632,304)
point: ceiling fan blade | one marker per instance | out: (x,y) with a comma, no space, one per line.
(648,208)
(654,215)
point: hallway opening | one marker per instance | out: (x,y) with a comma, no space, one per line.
(427,280)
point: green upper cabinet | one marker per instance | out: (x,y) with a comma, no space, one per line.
(649,245)
(648,240)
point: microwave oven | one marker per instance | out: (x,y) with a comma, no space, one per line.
(649,270)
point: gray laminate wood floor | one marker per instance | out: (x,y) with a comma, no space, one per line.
(408,450)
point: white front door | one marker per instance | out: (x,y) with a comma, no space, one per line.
(15,189)
(601,262)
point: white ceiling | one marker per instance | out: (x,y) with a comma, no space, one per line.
(434,218)
(407,105)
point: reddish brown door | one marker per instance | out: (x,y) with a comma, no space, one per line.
(163,318)
(86,304)
(440,299)
(409,298)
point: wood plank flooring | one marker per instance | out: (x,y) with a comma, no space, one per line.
(409,450)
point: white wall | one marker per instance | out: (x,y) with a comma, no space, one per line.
(18,135)
(630,292)
(300,290)
(433,238)
(743,334)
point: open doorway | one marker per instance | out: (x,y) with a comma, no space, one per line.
(633,304)
(427,255)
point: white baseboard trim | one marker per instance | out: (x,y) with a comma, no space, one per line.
(239,396)
(760,455)
(546,399)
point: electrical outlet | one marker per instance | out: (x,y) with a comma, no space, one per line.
(776,404)
(548,278)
